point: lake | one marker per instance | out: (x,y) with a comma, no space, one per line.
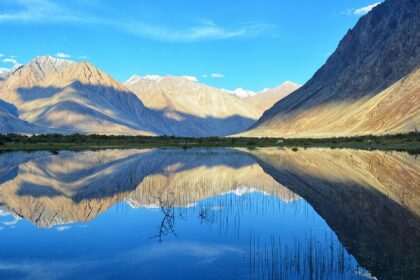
(210,214)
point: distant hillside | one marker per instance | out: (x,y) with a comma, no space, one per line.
(267,98)
(193,108)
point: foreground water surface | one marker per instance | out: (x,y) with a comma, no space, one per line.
(210,214)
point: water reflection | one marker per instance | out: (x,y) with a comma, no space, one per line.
(211,213)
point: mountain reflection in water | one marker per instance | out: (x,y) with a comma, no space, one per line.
(210,214)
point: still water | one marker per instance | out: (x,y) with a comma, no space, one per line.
(210,214)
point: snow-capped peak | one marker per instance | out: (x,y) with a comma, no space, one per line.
(155,78)
(266,89)
(4,70)
(48,64)
(241,93)
(191,78)
(136,78)
(289,83)
(47,59)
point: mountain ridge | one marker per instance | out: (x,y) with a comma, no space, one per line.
(63,96)
(75,96)
(179,97)
(379,52)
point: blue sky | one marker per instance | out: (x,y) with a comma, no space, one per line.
(253,44)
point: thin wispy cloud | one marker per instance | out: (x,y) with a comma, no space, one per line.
(217,75)
(200,32)
(10,60)
(1,55)
(4,70)
(82,57)
(39,11)
(63,228)
(62,55)
(46,11)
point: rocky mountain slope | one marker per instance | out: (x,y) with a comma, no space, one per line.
(267,98)
(10,122)
(198,108)
(61,96)
(192,107)
(75,97)
(369,85)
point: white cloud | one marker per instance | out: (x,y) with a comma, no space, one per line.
(62,228)
(217,75)
(191,78)
(39,11)
(46,11)
(62,55)
(82,57)
(1,55)
(10,60)
(4,70)
(195,33)
(204,75)
(365,10)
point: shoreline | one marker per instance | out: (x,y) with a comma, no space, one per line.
(401,142)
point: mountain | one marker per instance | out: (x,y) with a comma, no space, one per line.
(369,85)
(197,109)
(193,108)
(10,121)
(76,97)
(50,95)
(268,97)
(51,189)
(241,93)
(3,73)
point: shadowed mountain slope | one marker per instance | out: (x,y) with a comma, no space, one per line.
(76,97)
(195,109)
(51,95)
(369,85)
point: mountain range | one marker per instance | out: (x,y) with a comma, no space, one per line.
(50,95)
(369,85)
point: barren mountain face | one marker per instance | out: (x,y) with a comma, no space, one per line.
(193,106)
(266,99)
(50,95)
(369,85)
(75,97)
